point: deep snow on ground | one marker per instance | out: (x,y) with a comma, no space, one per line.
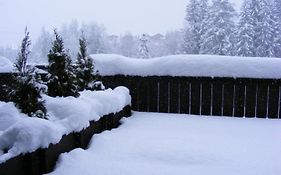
(21,134)
(189,65)
(151,143)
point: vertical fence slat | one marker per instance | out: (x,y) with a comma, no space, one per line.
(195,97)
(206,98)
(153,94)
(163,95)
(250,99)
(174,95)
(261,99)
(184,94)
(239,99)
(134,93)
(143,95)
(273,101)
(217,99)
(228,98)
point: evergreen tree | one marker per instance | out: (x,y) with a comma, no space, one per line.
(196,18)
(61,74)
(220,27)
(265,28)
(86,78)
(27,93)
(276,6)
(244,43)
(143,50)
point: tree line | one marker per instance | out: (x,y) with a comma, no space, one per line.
(216,28)
(211,27)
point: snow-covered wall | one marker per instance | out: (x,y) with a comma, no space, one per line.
(21,134)
(189,65)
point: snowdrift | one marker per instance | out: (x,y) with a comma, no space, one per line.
(189,65)
(22,134)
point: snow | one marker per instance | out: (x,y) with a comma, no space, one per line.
(21,134)
(5,65)
(189,65)
(154,143)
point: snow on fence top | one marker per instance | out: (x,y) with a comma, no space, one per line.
(21,134)
(189,65)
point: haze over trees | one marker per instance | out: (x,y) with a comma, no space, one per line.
(211,27)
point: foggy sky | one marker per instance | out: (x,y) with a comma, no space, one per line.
(118,16)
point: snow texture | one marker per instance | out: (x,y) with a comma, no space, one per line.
(21,134)
(5,65)
(189,65)
(150,143)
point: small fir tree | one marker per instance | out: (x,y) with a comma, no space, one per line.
(61,73)
(27,94)
(86,78)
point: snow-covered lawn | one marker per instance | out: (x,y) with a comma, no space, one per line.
(151,143)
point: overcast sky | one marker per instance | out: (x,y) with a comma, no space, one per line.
(118,16)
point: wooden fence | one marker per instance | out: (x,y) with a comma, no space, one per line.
(43,161)
(241,97)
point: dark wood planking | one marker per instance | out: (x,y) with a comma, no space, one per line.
(217,99)
(251,93)
(142,95)
(206,98)
(195,97)
(134,93)
(184,97)
(153,94)
(163,95)
(239,99)
(262,99)
(174,95)
(273,101)
(228,98)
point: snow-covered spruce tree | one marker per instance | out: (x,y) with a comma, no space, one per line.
(276,6)
(143,49)
(60,71)
(220,27)
(86,77)
(27,93)
(196,18)
(244,43)
(266,30)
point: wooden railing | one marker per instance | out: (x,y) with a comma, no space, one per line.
(241,97)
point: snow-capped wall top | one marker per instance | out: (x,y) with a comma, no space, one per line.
(22,134)
(5,65)
(189,65)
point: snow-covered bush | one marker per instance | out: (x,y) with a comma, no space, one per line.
(61,77)
(85,74)
(27,93)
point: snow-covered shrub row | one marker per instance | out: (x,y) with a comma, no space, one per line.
(189,65)
(22,134)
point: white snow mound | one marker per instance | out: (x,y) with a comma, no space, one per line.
(22,134)
(189,65)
